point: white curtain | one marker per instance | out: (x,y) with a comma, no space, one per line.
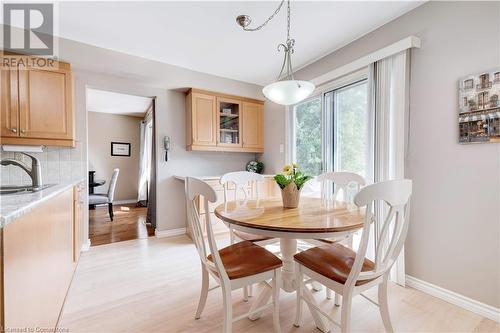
(145,156)
(390,90)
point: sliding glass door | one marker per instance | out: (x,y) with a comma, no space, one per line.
(350,145)
(333,131)
(307,150)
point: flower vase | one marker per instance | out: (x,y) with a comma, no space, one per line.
(290,196)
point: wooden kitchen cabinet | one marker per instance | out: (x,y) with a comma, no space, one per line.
(202,120)
(37,105)
(9,103)
(221,122)
(253,126)
(78,207)
(228,122)
(38,263)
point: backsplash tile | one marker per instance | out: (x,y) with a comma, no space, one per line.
(59,164)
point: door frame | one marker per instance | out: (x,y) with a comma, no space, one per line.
(155,156)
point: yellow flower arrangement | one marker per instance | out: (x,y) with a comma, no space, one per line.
(287,169)
(291,174)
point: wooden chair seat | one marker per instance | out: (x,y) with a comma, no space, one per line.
(333,261)
(245,259)
(246,236)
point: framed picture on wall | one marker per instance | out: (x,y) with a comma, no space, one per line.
(120,149)
(479,107)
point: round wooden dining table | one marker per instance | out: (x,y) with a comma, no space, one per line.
(314,218)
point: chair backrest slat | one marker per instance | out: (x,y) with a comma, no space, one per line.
(197,189)
(112,185)
(395,194)
(341,182)
(241,180)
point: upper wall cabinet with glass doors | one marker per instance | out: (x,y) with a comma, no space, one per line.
(36,103)
(220,122)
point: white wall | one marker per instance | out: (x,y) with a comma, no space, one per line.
(274,136)
(454,238)
(104,128)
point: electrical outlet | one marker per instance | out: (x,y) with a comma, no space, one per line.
(18,157)
(282,148)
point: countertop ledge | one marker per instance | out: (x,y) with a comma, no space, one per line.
(183,178)
(16,205)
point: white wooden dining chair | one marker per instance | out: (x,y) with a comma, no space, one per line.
(233,267)
(106,198)
(332,185)
(245,186)
(349,273)
(341,182)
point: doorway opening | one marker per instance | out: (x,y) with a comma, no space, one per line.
(121,164)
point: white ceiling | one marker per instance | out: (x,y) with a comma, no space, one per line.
(116,103)
(204,36)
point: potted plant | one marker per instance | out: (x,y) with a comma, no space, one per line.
(255,166)
(291,182)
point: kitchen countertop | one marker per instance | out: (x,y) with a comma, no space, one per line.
(14,206)
(182,178)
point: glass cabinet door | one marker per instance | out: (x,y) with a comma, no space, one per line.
(229,122)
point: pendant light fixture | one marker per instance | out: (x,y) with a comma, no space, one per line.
(285,90)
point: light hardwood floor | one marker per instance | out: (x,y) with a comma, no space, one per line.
(153,285)
(129,223)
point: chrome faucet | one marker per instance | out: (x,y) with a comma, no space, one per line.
(35,172)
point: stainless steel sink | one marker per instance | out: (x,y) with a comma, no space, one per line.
(21,189)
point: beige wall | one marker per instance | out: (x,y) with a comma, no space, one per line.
(274,136)
(109,70)
(454,237)
(104,128)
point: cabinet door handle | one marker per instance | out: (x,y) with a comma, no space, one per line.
(23,131)
(13,130)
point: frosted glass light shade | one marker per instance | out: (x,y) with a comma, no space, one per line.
(288,92)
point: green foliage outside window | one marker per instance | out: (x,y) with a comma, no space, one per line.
(350,126)
(352,132)
(308,136)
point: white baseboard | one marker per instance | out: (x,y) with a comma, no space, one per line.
(86,246)
(119,202)
(170,232)
(125,202)
(449,296)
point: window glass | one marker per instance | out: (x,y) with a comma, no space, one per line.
(307,129)
(351,140)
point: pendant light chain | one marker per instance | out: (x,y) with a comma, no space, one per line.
(269,18)
(288,21)
(288,48)
(286,90)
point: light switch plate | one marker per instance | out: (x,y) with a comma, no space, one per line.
(282,148)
